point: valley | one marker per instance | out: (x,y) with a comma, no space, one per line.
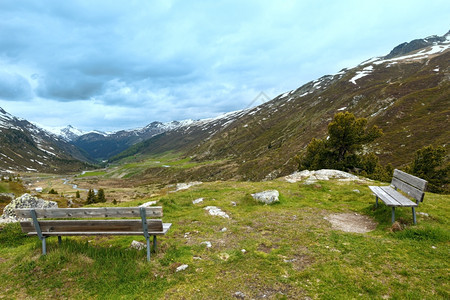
(323,239)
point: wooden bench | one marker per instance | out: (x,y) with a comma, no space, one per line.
(113,225)
(411,185)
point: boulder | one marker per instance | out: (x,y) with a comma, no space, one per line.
(24,201)
(267,197)
(215,211)
(324,174)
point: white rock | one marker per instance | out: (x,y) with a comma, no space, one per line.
(138,245)
(267,197)
(423,214)
(223,229)
(181,268)
(243,251)
(196,201)
(233,203)
(215,211)
(208,244)
(239,295)
(24,201)
(185,186)
(148,204)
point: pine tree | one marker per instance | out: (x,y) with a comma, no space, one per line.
(101,196)
(91,198)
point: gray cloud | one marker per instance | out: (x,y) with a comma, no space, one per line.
(14,87)
(123,63)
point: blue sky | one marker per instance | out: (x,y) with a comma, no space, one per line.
(112,65)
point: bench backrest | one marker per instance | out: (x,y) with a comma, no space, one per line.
(413,186)
(91,212)
(116,226)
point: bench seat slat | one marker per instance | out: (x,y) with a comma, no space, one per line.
(92,225)
(385,197)
(91,212)
(166,227)
(402,200)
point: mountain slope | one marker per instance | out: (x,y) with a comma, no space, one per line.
(406,93)
(26,147)
(102,146)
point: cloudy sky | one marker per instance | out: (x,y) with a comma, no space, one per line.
(112,65)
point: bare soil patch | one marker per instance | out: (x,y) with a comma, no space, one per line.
(351,222)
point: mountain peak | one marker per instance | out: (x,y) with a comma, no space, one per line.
(417,44)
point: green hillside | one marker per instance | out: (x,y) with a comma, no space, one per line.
(287,250)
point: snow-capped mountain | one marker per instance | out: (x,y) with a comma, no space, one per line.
(26,147)
(101,146)
(406,93)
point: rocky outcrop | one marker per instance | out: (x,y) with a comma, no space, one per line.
(24,201)
(314,176)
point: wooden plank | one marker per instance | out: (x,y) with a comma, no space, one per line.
(408,189)
(99,233)
(166,227)
(402,200)
(416,182)
(383,196)
(94,212)
(92,226)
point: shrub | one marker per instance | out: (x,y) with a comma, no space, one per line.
(429,164)
(340,150)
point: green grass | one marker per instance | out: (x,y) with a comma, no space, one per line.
(291,251)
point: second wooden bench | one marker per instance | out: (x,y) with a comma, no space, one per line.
(411,185)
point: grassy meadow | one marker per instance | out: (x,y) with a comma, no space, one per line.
(286,250)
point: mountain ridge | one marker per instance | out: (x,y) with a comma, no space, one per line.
(261,142)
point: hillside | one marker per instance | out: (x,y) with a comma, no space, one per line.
(25,147)
(101,146)
(406,93)
(289,250)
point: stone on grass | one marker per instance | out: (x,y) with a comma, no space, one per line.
(24,201)
(208,244)
(138,245)
(148,204)
(196,201)
(181,268)
(267,197)
(223,229)
(215,211)
(239,295)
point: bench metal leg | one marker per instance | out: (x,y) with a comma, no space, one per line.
(148,248)
(414,215)
(44,246)
(376,201)
(154,243)
(393,214)
(59,240)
